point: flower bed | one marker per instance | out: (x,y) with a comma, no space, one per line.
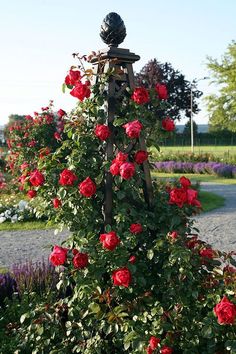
(216,168)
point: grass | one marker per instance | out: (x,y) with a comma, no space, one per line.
(195,177)
(210,201)
(25,225)
(218,151)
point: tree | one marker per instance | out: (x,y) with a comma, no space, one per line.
(222,106)
(13,118)
(187,128)
(178,87)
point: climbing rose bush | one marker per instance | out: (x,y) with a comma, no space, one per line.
(144,284)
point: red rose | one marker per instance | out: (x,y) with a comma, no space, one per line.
(185,182)
(166,350)
(133,129)
(136,229)
(192,198)
(121,277)
(87,188)
(73,77)
(102,131)
(192,242)
(140,95)
(121,157)
(149,350)
(81,91)
(24,166)
(36,178)
(74,251)
(28,117)
(115,169)
(173,234)
(225,311)
(32,143)
(178,196)
(168,124)
(80,260)
(56,203)
(140,156)
(161,91)
(127,170)
(153,342)
(61,113)
(67,178)
(132,259)
(31,193)
(109,240)
(58,255)
(207,253)
(57,136)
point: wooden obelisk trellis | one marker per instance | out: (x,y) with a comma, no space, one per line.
(113,33)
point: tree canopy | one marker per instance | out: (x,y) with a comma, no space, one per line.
(222,106)
(178,87)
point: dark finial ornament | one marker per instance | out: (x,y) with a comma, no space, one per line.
(113,30)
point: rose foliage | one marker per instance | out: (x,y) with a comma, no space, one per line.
(146,283)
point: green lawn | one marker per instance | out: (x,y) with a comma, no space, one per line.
(194,177)
(210,201)
(219,151)
(25,225)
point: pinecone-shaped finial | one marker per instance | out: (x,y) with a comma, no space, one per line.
(113,30)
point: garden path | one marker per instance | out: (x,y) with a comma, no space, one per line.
(217,227)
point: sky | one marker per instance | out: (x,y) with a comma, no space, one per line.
(38,37)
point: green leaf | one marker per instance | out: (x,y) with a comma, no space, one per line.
(94,308)
(150,254)
(24,316)
(108,228)
(207,331)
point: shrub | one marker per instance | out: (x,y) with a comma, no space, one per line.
(145,273)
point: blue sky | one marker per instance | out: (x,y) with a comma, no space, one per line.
(37,38)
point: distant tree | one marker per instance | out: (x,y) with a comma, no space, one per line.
(178,87)
(187,128)
(13,118)
(222,106)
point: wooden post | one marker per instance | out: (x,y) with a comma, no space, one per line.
(121,61)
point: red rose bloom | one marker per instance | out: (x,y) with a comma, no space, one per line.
(192,198)
(31,193)
(140,157)
(61,113)
(178,196)
(153,342)
(207,253)
(127,170)
(115,169)
(73,77)
(132,259)
(81,91)
(58,255)
(80,260)
(36,178)
(166,350)
(121,277)
(57,136)
(225,311)
(161,90)
(102,131)
(173,234)
(168,124)
(133,129)
(185,182)
(136,228)
(87,188)
(140,95)
(109,240)
(56,203)
(67,178)
(149,350)
(121,157)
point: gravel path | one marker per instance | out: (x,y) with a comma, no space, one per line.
(217,227)
(19,246)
